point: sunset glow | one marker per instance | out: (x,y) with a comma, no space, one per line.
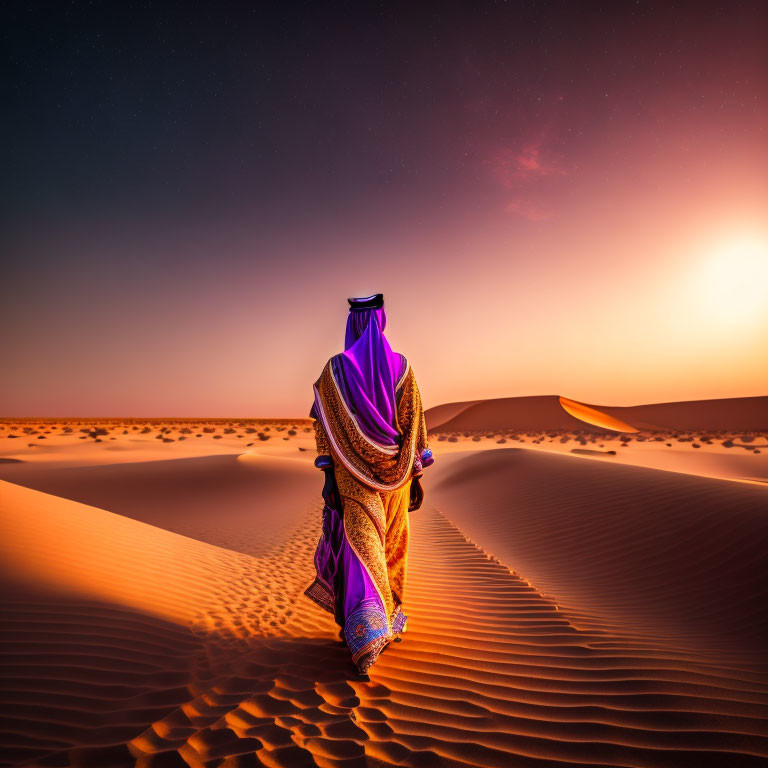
(735,281)
(581,213)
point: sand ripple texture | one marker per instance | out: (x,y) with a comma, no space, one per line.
(128,644)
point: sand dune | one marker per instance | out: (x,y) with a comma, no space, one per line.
(230,500)
(594,417)
(111,623)
(126,643)
(442,414)
(671,555)
(545,412)
(81,442)
(731,413)
(542,412)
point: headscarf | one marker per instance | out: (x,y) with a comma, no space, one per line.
(367,372)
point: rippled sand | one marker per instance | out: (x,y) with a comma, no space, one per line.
(564,609)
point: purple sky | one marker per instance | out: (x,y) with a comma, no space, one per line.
(554,198)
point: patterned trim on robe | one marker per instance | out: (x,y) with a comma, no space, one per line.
(399,622)
(366,632)
(376,468)
(319,592)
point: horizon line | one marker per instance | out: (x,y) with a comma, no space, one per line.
(307,418)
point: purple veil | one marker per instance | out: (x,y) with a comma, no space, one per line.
(367,373)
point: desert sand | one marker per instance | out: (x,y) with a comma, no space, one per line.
(546,412)
(564,608)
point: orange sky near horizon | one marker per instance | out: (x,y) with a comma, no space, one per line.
(616,324)
(595,229)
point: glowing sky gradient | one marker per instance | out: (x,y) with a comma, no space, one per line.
(554,199)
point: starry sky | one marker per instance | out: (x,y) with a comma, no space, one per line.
(554,197)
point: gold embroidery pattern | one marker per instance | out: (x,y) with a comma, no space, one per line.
(363,533)
(379,469)
(396,543)
(372,513)
(321,440)
(366,514)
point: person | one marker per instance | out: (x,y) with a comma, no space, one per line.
(372,445)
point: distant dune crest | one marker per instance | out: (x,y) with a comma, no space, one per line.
(595,417)
(553,412)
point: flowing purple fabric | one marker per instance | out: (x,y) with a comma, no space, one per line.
(339,567)
(368,371)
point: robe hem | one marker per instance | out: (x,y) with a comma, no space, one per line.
(319,594)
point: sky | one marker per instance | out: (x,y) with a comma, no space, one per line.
(554,197)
